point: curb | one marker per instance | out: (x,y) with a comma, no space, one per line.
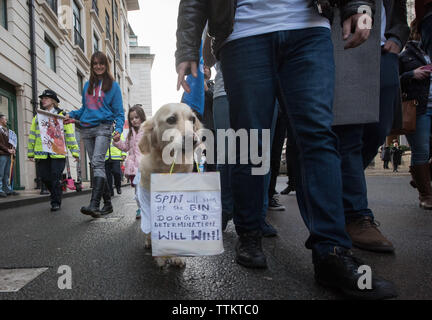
(41,198)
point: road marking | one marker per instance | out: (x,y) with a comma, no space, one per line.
(13,280)
(111,219)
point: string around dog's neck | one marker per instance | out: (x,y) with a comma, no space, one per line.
(173,164)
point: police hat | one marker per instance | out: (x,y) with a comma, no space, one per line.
(50,94)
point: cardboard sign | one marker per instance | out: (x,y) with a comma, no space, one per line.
(186,214)
(52,134)
(13,140)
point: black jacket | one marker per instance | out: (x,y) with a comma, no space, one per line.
(193,15)
(409,60)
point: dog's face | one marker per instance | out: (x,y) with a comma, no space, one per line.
(174,119)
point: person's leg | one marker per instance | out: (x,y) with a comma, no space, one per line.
(248,69)
(222,121)
(109,175)
(306,78)
(419,169)
(56,170)
(375,133)
(276,152)
(3,160)
(359,218)
(116,172)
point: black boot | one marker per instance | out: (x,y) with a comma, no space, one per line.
(249,250)
(98,188)
(339,270)
(107,208)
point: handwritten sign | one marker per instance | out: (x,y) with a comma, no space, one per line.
(186,222)
(13,140)
(52,134)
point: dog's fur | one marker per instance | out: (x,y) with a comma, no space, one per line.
(151,146)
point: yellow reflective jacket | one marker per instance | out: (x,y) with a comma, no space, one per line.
(34,146)
(115,153)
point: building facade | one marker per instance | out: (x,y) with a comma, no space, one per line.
(141,62)
(64,34)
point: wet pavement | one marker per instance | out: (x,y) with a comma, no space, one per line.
(108,260)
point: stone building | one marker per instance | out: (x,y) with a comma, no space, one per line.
(48,44)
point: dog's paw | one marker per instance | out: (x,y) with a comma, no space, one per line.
(161,261)
(178,262)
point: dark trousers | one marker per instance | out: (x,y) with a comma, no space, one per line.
(113,170)
(290,162)
(51,171)
(375,134)
(276,151)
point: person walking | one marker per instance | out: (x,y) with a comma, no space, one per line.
(51,165)
(102,106)
(136,117)
(416,85)
(7,151)
(283,50)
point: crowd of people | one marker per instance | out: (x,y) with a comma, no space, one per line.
(276,69)
(278,59)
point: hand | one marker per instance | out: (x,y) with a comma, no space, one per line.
(182,69)
(392,47)
(421,74)
(116,136)
(67,117)
(358,23)
(32,159)
(76,159)
(123,158)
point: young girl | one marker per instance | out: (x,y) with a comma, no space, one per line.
(102,107)
(136,117)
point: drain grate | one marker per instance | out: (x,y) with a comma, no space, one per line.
(13,280)
(110,219)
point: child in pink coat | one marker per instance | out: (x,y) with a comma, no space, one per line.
(136,117)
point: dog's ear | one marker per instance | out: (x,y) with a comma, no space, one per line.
(146,140)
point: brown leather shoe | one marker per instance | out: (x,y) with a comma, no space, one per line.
(365,235)
(421,176)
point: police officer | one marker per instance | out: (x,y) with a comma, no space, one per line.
(51,165)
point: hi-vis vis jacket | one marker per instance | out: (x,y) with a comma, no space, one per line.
(35,144)
(115,153)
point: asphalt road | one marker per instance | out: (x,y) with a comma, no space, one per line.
(108,259)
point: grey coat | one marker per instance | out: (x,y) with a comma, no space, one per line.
(357,86)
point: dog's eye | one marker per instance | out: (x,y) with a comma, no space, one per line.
(172,120)
(193,119)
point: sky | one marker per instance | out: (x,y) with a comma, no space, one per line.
(155,24)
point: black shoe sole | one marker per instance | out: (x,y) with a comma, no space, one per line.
(359,295)
(87,212)
(104,213)
(251,265)
(374,249)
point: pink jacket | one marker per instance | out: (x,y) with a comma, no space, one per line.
(134,153)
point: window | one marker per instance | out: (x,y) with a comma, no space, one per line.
(95,42)
(107,25)
(50,60)
(115,10)
(80,83)
(53,5)
(3,13)
(95,6)
(79,41)
(116,47)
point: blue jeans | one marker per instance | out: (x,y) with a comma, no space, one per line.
(426,35)
(419,140)
(297,68)
(375,133)
(5,162)
(222,121)
(354,196)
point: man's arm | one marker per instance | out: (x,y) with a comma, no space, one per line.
(397,30)
(191,20)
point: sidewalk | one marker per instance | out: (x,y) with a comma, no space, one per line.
(27,197)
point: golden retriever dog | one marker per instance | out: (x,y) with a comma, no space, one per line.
(179,121)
